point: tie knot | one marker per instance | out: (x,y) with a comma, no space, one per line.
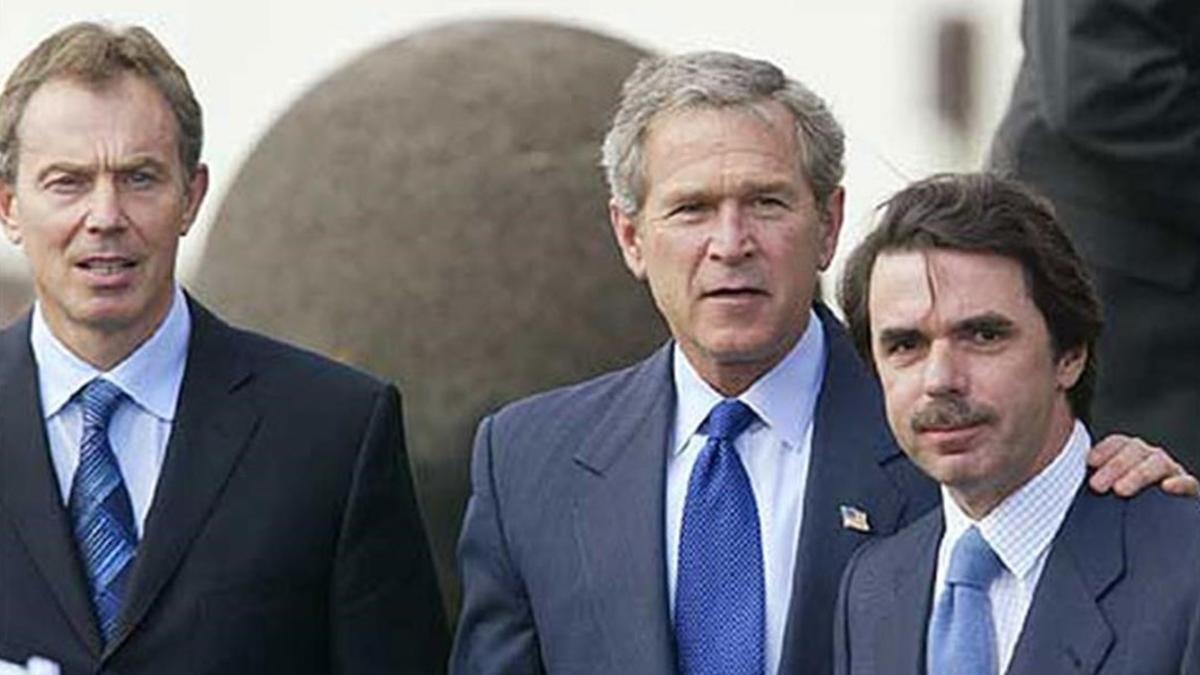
(973,562)
(99,398)
(728,419)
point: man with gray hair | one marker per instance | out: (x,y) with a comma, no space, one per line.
(694,512)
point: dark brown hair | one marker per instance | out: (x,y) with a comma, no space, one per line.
(985,213)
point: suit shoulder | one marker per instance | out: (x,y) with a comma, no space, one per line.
(876,566)
(569,405)
(1155,518)
(283,365)
(884,553)
(529,444)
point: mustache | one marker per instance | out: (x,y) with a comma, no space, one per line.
(950,412)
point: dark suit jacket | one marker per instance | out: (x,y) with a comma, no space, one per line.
(1105,119)
(1119,594)
(283,536)
(562,549)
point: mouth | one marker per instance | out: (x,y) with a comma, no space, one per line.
(106,266)
(951,438)
(108,273)
(734,293)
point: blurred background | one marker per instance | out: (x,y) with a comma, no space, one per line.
(413,187)
(880,63)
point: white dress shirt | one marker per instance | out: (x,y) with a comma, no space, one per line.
(34,666)
(150,377)
(1020,530)
(775,450)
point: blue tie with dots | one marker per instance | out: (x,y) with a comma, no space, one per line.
(961,638)
(101,514)
(719,604)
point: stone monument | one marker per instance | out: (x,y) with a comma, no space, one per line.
(434,213)
(16,294)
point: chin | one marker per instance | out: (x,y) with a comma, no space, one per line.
(110,316)
(954,470)
(741,354)
(739,345)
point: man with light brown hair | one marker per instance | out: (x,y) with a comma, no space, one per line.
(177,495)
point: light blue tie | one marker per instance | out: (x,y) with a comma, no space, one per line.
(101,514)
(719,606)
(961,638)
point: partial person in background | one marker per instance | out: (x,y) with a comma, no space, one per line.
(176,495)
(980,320)
(1105,120)
(694,512)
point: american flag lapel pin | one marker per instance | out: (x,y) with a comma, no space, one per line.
(854,518)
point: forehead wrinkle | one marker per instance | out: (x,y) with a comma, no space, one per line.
(906,307)
(137,161)
(931,279)
(722,122)
(153,124)
(736,185)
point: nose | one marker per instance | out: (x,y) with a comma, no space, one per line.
(104,209)
(732,238)
(944,373)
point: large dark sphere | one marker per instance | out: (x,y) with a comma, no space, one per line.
(16,295)
(434,213)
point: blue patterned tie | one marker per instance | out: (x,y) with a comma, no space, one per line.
(961,638)
(719,606)
(101,514)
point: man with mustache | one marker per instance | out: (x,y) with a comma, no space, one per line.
(177,495)
(695,511)
(981,321)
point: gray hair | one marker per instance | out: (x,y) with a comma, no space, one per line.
(717,80)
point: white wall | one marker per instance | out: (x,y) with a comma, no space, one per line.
(872,59)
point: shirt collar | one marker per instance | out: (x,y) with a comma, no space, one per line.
(1021,527)
(151,376)
(783,398)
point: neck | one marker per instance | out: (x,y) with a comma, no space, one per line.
(732,382)
(731,375)
(103,347)
(102,350)
(732,378)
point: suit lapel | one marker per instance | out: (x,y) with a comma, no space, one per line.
(1065,630)
(29,490)
(850,445)
(215,419)
(906,614)
(619,519)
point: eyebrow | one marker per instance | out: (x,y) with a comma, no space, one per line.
(889,336)
(686,194)
(992,321)
(987,321)
(124,167)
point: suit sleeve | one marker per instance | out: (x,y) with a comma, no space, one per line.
(496,630)
(386,613)
(1118,77)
